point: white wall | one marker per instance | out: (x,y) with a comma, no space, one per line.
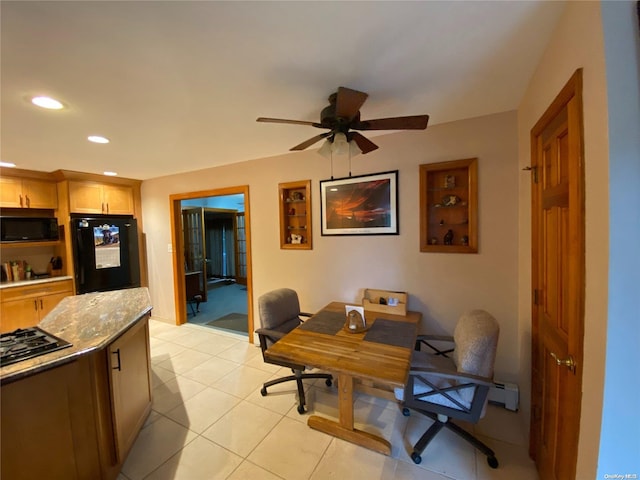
(441,286)
(576,43)
(620,436)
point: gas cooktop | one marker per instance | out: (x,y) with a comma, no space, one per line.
(26,343)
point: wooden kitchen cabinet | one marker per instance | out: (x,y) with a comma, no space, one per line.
(79,420)
(22,307)
(27,193)
(101,198)
(130,385)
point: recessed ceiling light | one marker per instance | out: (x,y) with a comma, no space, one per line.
(47,102)
(97,139)
(110,174)
(7,164)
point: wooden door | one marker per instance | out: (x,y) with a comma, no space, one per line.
(558,283)
(194,244)
(241,249)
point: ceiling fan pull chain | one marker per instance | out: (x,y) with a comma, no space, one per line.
(331,164)
(349,163)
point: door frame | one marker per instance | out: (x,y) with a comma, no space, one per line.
(571,91)
(178,248)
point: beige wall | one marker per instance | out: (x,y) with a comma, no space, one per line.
(441,286)
(577,43)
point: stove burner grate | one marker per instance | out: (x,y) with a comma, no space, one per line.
(26,343)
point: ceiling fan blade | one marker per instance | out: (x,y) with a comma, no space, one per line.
(348,102)
(415,122)
(363,142)
(311,141)
(293,122)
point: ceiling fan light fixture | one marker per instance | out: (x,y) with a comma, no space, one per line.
(325,149)
(354,149)
(340,144)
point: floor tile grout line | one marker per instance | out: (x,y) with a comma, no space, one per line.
(474,468)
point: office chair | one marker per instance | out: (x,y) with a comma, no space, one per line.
(453,383)
(279,314)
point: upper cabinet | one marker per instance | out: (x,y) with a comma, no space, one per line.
(92,197)
(27,193)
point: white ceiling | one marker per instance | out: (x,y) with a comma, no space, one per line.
(177,86)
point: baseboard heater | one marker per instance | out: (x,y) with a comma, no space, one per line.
(504,394)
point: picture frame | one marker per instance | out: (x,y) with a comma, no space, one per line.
(360,205)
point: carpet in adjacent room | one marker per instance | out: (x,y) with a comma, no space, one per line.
(233,321)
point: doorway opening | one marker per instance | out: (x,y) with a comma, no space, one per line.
(212,261)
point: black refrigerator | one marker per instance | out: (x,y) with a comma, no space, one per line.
(105,252)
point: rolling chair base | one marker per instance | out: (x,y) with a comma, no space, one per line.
(298,376)
(421,444)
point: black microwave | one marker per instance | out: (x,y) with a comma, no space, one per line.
(28,229)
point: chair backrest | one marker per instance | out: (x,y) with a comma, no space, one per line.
(476,339)
(279,310)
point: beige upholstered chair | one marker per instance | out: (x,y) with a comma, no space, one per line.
(279,314)
(453,383)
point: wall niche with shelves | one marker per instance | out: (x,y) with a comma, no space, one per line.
(295,215)
(449,206)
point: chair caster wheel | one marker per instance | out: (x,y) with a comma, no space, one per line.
(301,409)
(416,458)
(493,462)
(327,382)
(406,412)
(263,392)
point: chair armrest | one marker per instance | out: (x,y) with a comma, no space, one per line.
(274,335)
(458,376)
(436,338)
(425,339)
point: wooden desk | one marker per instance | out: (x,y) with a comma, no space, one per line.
(349,356)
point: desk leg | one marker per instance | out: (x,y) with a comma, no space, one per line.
(345,400)
(345,429)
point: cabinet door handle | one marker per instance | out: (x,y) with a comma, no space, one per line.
(117,354)
(28,202)
(35,305)
(21,205)
(41,305)
(102,208)
(107,207)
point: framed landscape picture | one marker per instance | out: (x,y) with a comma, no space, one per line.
(361,205)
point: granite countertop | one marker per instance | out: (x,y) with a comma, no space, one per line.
(35,281)
(90,322)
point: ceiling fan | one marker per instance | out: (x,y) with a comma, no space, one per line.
(343,115)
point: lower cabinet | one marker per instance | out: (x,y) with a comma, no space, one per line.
(80,420)
(130,386)
(22,307)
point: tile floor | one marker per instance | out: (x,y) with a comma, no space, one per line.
(209,422)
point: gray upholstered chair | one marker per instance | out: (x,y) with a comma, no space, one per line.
(453,383)
(279,314)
